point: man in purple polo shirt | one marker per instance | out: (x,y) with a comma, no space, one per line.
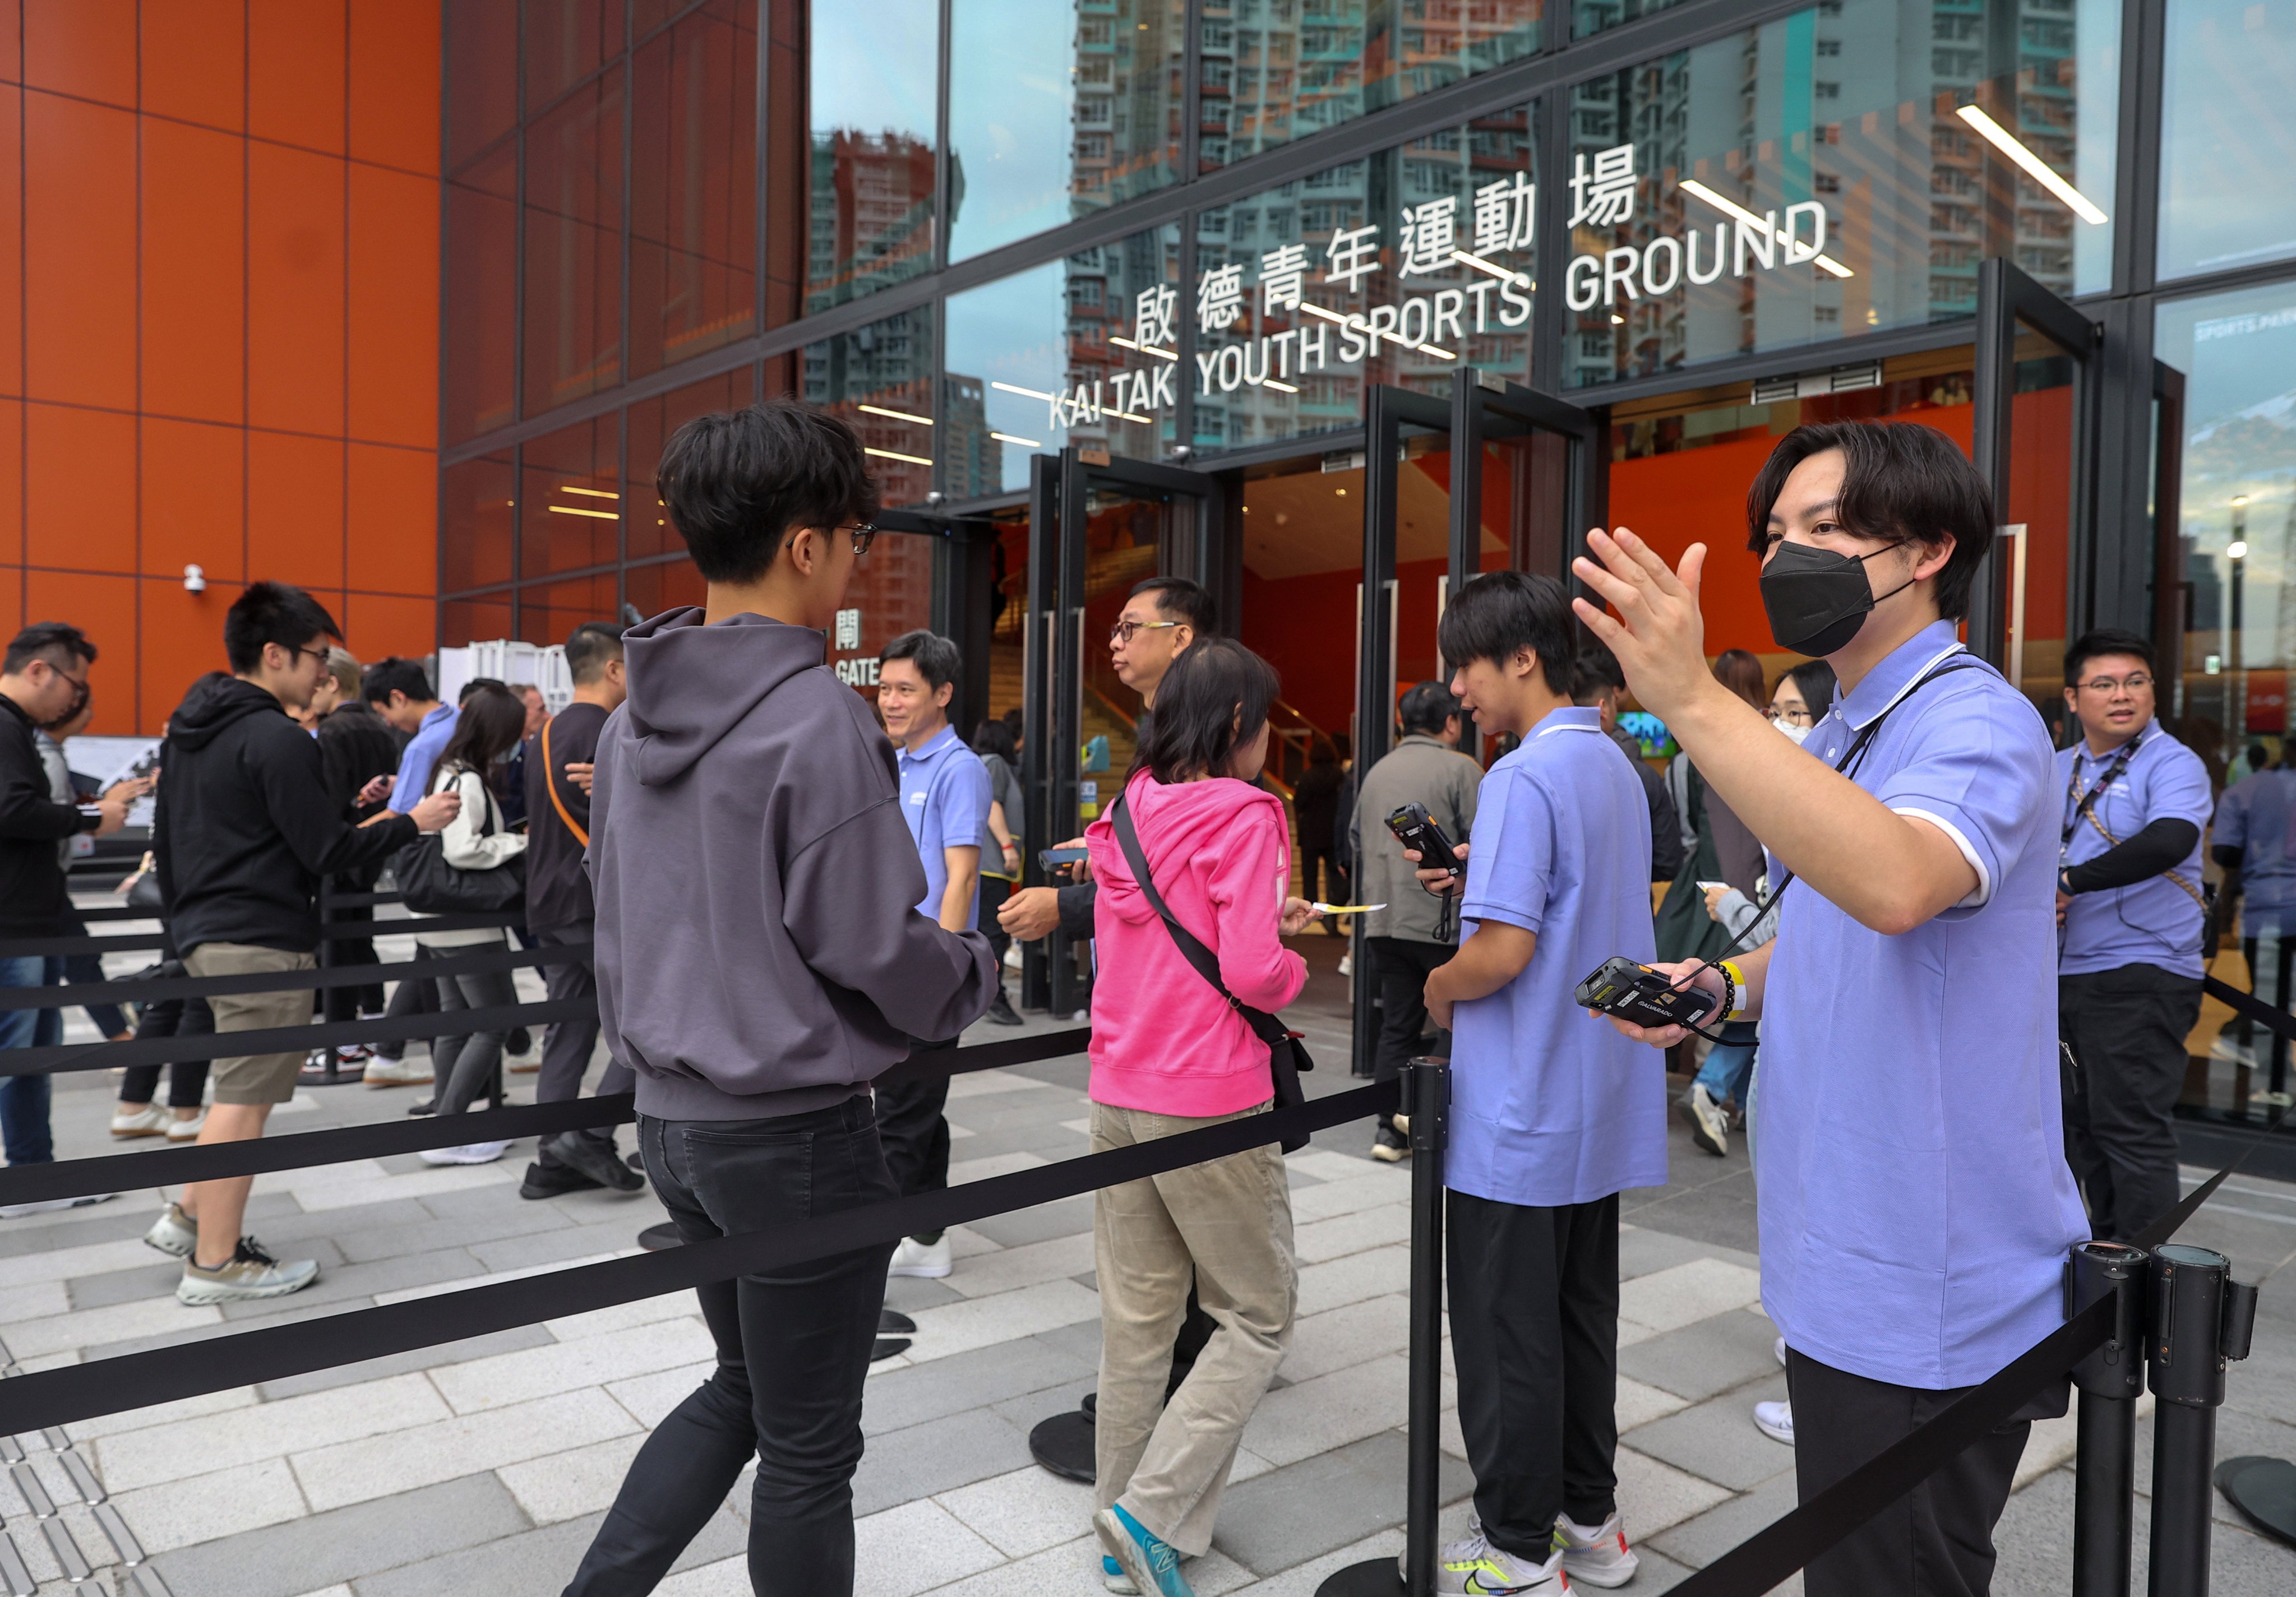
(1915,1203)
(2128,889)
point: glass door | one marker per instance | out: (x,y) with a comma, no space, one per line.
(1099,524)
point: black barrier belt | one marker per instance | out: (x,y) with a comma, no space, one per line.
(288,1039)
(169,1166)
(158,989)
(330,931)
(108,1386)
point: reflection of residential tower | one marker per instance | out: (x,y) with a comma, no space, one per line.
(970,458)
(887,365)
(871,201)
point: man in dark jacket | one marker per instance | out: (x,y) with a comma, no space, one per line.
(760,961)
(42,683)
(560,910)
(358,756)
(1596,682)
(244,830)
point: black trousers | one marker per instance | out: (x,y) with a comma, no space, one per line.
(409,998)
(1334,875)
(2126,1029)
(170,1017)
(1401,966)
(1936,1541)
(2244,1029)
(567,1046)
(1535,1334)
(793,1350)
(913,1131)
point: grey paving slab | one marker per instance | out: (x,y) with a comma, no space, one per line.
(304,1555)
(1699,1542)
(910,1293)
(154,1279)
(399,1363)
(571,1241)
(1644,1252)
(536,1563)
(110,1222)
(1024,1412)
(903,1465)
(1716,1440)
(1080,1342)
(1063,1217)
(1706,1357)
(426,1233)
(1304,1511)
(934,1390)
(340,1283)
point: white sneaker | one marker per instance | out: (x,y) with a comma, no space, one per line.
(46,1205)
(152,1123)
(472,1153)
(1471,1567)
(1710,1127)
(382,1072)
(2232,1051)
(187,1130)
(249,1273)
(1776,1421)
(1594,1555)
(930,1259)
(1347,962)
(1013,957)
(1779,1348)
(174,1233)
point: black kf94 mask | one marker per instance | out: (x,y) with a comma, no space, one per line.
(1817,600)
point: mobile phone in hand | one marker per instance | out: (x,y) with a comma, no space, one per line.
(1059,859)
(1416,829)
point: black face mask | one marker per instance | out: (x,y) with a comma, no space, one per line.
(1817,600)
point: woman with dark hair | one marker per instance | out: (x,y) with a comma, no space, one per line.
(1169,1054)
(1716,844)
(1316,807)
(492,721)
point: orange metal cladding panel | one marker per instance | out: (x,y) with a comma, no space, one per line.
(194,279)
(80,498)
(194,61)
(12,487)
(11,237)
(295,72)
(294,291)
(295,509)
(182,642)
(80,254)
(391,520)
(11,67)
(195,511)
(85,48)
(394,111)
(103,608)
(394,308)
(11,599)
(376,625)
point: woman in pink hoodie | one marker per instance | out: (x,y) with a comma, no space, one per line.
(1168,1055)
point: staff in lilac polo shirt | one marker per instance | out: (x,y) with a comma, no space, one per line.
(2129,890)
(1915,1203)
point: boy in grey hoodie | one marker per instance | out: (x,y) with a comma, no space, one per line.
(760,960)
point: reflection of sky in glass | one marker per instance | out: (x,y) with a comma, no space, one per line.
(873,66)
(1010,63)
(1012,331)
(2227,188)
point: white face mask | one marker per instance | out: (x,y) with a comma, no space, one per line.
(1796,732)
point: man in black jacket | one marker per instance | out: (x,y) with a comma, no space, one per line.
(360,757)
(245,830)
(42,683)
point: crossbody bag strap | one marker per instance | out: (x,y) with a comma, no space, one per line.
(550,781)
(1265,1026)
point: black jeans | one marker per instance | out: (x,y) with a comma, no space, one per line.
(913,1129)
(1535,1333)
(1402,966)
(415,997)
(1936,1541)
(793,1350)
(2126,1029)
(469,1067)
(170,1017)
(568,1045)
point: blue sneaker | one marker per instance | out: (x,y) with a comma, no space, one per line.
(1113,1577)
(1152,1563)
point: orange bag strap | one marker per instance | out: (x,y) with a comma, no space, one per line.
(550,781)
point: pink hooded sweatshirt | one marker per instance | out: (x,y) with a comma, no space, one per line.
(1163,1040)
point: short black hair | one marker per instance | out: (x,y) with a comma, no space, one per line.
(1426,707)
(1816,682)
(994,737)
(1213,702)
(1499,612)
(1183,600)
(936,657)
(45,640)
(1900,481)
(2103,641)
(738,482)
(463,694)
(590,649)
(393,675)
(1594,671)
(273,612)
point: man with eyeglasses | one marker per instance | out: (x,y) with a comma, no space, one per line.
(2133,919)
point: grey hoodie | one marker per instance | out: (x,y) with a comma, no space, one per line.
(758,949)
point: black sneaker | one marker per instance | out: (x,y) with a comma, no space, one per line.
(597,1160)
(519,1041)
(554,1181)
(1002,1012)
(428,1105)
(1389,1146)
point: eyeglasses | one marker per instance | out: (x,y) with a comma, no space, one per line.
(1789,717)
(2135,682)
(317,654)
(865,533)
(1123,632)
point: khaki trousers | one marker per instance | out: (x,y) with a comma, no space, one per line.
(1225,1225)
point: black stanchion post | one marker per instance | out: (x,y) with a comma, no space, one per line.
(2109,1383)
(2200,1318)
(1427,1099)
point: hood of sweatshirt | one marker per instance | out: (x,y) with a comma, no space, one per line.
(217,701)
(691,683)
(1175,822)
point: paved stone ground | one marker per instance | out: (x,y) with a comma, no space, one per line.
(484,1466)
